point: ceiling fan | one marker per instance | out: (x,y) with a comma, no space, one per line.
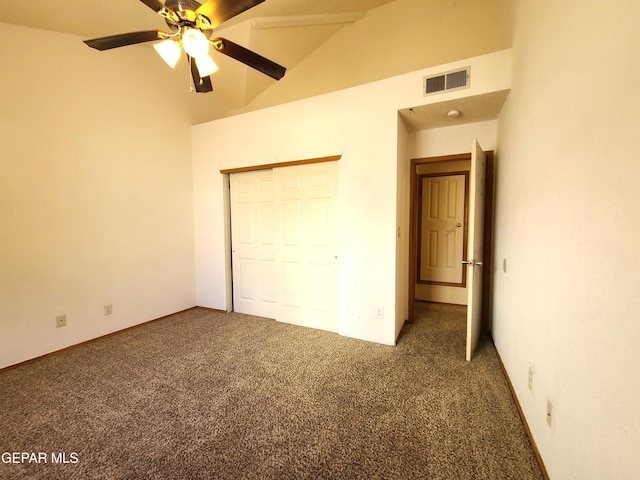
(192,23)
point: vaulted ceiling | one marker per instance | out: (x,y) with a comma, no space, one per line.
(95,18)
(325,44)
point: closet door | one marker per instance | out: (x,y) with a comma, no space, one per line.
(284,244)
(253,243)
(307,280)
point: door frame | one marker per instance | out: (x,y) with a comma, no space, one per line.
(488,231)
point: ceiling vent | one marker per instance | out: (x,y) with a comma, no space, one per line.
(444,82)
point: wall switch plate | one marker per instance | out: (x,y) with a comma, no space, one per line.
(61,321)
(108,309)
(530,382)
(549,413)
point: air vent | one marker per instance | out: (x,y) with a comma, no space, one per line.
(446,81)
(435,84)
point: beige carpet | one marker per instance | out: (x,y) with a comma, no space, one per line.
(203,395)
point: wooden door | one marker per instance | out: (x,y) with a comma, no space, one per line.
(441,230)
(475,250)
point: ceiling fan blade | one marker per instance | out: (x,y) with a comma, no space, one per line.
(219,11)
(124,39)
(249,58)
(155,5)
(202,85)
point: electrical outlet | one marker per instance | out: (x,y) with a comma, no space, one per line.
(108,309)
(61,321)
(549,413)
(531,378)
(379,312)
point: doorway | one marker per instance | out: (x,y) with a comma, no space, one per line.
(443,293)
(442,204)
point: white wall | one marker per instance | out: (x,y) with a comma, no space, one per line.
(95,192)
(402,228)
(452,140)
(568,223)
(359,123)
(397,37)
(339,124)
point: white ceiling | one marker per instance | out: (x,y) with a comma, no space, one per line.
(260,28)
(96,18)
(236,85)
(477,108)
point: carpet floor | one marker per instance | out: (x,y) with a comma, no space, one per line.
(203,395)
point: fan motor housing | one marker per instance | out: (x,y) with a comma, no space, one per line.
(177,5)
(186,13)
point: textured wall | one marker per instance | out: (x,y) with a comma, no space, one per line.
(567,223)
(95,192)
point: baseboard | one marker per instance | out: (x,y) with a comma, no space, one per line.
(104,336)
(536,452)
(214,310)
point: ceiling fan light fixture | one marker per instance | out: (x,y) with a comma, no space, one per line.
(206,65)
(191,24)
(169,51)
(195,43)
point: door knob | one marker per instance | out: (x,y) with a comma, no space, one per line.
(472,263)
(458,224)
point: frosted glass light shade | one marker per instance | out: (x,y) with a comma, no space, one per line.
(206,66)
(169,50)
(195,43)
